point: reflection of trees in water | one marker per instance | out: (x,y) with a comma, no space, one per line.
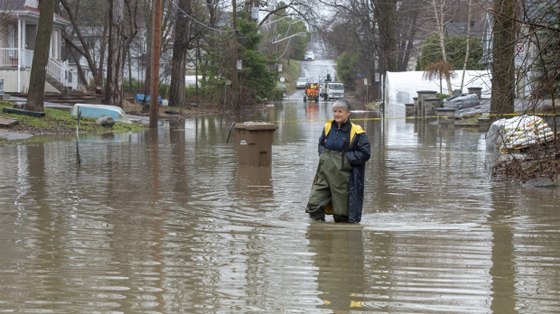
(525,251)
(339,256)
(503,250)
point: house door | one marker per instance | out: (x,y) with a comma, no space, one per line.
(30,35)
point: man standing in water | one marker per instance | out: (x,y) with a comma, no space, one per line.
(338,188)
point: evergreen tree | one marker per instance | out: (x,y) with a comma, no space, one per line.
(347,67)
(255,79)
(456,48)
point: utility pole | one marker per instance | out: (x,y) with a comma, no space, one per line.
(154,75)
(234,69)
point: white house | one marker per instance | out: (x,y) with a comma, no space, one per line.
(18,29)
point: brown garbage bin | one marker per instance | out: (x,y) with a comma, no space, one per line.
(254,143)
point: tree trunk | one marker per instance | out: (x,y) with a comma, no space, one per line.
(99,78)
(37,80)
(439,12)
(386,20)
(469,17)
(85,51)
(503,57)
(408,43)
(115,60)
(180,50)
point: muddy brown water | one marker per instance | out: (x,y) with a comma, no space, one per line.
(167,222)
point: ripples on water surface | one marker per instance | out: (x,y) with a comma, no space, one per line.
(174,225)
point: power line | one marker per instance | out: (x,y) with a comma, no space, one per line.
(200,23)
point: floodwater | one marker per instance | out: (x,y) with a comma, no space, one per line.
(167,222)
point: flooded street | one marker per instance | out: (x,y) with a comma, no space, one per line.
(166,221)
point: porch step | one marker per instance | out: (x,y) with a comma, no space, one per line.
(55,83)
(74,99)
(68,99)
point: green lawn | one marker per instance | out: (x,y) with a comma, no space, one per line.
(61,122)
(290,73)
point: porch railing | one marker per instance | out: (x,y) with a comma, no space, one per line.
(9,57)
(60,71)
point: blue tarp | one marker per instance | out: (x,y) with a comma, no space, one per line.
(140,98)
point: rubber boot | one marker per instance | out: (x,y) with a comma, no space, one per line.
(316,212)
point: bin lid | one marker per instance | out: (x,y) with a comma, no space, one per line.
(256,125)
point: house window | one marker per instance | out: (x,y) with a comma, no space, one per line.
(11,39)
(30,35)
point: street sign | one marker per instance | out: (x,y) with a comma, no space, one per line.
(239,64)
(255,13)
(365,81)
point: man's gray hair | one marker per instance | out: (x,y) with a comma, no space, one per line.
(343,103)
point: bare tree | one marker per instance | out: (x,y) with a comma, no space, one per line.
(115,60)
(505,30)
(37,80)
(7,13)
(469,17)
(183,37)
(119,42)
(166,27)
(86,49)
(384,31)
(534,27)
(439,10)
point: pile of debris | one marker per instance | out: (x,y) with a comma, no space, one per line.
(522,149)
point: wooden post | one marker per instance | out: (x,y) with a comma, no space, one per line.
(234,69)
(154,77)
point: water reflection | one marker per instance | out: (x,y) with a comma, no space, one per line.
(255,180)
(166,221)
(338,254)
(503,252)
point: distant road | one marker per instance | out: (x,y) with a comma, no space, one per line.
(317,70)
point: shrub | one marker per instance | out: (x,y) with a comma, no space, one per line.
(278,93)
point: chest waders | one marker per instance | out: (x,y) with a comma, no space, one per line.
(330,191)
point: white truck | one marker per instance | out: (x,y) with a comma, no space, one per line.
(334,90)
